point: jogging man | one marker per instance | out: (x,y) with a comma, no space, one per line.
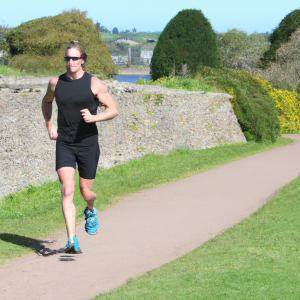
(77,95)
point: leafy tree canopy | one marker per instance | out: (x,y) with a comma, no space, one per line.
(115,30)
(3,30)
(241,51)
(281,35)
(40,44)
(187,39)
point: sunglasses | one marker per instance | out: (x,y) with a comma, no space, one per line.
(68,58)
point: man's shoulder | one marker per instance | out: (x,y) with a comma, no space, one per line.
(97,83)
(53,81)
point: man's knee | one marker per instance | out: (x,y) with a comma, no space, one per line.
(85,192)
(68,189)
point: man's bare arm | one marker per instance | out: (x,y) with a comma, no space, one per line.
(47,107)
(100,91)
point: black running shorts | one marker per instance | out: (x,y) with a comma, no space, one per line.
(85,153)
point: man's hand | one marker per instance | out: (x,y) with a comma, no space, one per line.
(87,116)
(52,133)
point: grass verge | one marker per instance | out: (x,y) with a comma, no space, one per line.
(7,71)
(259,258)
(178,83)
(35,212)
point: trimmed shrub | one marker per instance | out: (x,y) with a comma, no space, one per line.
(187,39)
(253,106)
(280,36)
(39,45)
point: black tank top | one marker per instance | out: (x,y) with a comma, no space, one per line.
(71,97)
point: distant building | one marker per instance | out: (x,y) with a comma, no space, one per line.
(143,57)
(120,60)
(147,53)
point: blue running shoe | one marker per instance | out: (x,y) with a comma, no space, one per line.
(91,225)
(76,249)
(69,247)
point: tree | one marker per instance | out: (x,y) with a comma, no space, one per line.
(115,30)
(187,39)
(241,51)
(285,72)
(266,35)
(134,30)
(98,26)
(4,49)
(104,29)
(280,36)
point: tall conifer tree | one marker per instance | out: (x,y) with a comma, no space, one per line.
(187,39)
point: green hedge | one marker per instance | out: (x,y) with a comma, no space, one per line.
(187,39)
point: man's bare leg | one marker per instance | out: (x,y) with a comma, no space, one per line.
(91,225)
(67,178)
(86,186)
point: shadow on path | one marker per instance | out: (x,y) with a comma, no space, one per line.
(36,245)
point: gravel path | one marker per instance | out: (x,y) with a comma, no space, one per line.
(151,228)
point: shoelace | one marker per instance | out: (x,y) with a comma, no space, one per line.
(89,214)
(91,222)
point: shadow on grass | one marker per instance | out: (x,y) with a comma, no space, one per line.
(36,245)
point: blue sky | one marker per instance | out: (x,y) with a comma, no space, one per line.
(250,16)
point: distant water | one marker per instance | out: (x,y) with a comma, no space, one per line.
(131,78)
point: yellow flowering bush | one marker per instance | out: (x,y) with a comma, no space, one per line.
(288,106)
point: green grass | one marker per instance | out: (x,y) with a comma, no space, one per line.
(259,258)
(140,37)
(179,83)
(7,71)
(35,212)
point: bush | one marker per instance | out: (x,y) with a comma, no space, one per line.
(253,106)
(288,106)
(281,35)
(187,39)
(40,44)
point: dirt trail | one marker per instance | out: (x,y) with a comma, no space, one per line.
(151,228)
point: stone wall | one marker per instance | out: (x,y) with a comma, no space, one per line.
(152,119)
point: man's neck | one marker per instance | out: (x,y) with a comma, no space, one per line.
(75,75)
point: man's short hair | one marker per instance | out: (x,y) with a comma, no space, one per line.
(75,44)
